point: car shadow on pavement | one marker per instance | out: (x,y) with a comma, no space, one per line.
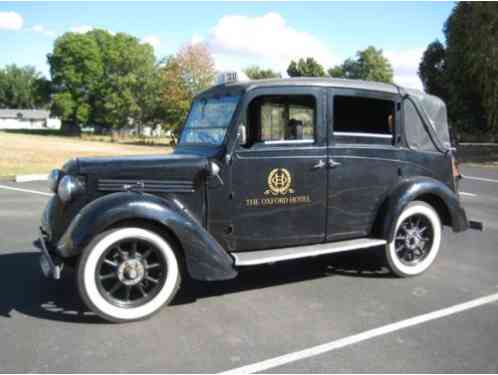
(27,291)
(362,263)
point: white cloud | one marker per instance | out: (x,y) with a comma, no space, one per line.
(405,65)
(81,29)
(239,41)
(196,38)
(10,21)
(153,40)
(42,30)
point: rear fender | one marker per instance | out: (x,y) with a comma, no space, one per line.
(423,188)
(204,257)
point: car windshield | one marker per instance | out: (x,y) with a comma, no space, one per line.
(208,120)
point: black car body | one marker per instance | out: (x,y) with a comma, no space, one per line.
(266,171)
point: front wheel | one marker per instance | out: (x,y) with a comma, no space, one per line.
(128,274)
(416,242)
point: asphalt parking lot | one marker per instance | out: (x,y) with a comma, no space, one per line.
(267,312)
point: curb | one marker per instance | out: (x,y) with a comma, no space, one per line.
(31,177)
(24,178)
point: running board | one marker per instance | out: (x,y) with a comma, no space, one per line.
(252,258)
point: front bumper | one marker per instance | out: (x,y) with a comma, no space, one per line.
(50,264)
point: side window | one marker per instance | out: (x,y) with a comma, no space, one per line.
(363,120)
(415,132)
(282,119)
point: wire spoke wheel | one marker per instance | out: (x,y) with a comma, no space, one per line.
(130,272)
(414,239)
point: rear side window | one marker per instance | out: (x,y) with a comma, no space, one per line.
(415,132)
(363,120)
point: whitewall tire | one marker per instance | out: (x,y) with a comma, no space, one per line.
(417,240)
(128,274)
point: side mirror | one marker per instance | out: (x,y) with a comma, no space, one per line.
(242,135)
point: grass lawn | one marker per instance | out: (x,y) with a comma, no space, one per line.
(26,153)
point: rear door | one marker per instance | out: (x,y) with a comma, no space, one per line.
(364,159)
(279,179)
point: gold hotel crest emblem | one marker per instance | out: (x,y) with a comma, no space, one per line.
(279,182)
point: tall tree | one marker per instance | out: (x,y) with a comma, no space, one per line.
(23,88)
(432,70)
(305,68)
(472,65)
(182,77)
(196,67)
(256,72)
(175,95)
(369,64)
(104,79)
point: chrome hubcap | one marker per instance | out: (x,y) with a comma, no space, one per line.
(131,272)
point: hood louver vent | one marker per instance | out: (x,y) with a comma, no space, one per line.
(151,186)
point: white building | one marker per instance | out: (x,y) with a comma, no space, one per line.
(27,119)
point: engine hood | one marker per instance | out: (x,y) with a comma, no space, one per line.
(150,167)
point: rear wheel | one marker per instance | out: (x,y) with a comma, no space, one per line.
(128,274)
(416,242)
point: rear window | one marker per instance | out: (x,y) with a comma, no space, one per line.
(415,133)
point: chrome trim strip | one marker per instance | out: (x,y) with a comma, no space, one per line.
(290,141)
(365,135)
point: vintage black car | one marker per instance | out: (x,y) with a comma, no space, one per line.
(264,171)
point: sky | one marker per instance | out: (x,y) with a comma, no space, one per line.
(238,34)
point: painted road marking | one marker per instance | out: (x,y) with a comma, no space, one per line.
(467,194)
(367,335)
(480,179)
(25,190)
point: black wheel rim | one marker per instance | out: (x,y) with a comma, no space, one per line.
(414,239)
(131,272)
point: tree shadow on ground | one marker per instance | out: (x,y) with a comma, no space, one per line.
(27,291)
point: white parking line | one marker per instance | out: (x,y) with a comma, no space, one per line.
(367,335)
(467,194)
(480,179)
(25,190)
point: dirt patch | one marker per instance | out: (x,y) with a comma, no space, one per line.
(24,154)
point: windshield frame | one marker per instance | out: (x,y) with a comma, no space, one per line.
(214,93)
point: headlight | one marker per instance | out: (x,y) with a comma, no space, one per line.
(53,179)
(69,187)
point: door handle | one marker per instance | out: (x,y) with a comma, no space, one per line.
(333,164)
(319,165)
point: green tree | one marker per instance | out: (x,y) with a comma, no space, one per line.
(472,65)
(104,79)
(369,64)
(256,72)
(23,88)
(305,68)
(432,70)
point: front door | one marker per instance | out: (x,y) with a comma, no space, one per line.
(279,178)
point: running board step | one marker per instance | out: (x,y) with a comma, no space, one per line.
(252,258)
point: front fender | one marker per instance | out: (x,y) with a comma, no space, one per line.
(204,257)
(415,188)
